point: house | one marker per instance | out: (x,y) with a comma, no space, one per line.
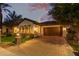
(23,26)
(27,26)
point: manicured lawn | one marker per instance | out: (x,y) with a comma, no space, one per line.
(11,39)
(7,39)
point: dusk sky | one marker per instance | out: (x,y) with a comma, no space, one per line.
(37,12)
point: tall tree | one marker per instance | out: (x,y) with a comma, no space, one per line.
(66,13)
(2,7)
(14,16)
(10,17)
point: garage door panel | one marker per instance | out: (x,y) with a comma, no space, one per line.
(52,31)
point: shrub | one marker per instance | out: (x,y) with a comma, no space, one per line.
(71,34)
(8,34)
(26,37)
(33,36)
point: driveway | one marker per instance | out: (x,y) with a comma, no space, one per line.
(37,47)
(54,39)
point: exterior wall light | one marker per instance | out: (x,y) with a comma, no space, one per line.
(16,30)
(64,31)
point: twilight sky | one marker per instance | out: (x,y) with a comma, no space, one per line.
(37,12)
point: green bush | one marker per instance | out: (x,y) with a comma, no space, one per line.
(24,38)
(71,34)
(31,35)
(28,37)
(72,40)
(7,34)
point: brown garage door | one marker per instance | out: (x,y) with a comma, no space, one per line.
(52,31)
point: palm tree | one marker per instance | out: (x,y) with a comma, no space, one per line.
(2,7)
(10,17)
(14,16)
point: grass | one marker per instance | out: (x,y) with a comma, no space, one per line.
(7,38)
(74,45)
(25,38)
(11,39)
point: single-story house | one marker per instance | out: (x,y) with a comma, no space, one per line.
(27,26)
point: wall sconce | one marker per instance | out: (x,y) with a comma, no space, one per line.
(16,30)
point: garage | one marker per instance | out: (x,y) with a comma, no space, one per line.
(52,31)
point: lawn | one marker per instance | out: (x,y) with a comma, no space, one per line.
(7,38)
(11,39)
(7,41)
(74,45)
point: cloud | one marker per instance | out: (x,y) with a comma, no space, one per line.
(34,11)
(39,6)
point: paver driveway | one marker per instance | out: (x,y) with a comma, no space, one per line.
(37,47)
